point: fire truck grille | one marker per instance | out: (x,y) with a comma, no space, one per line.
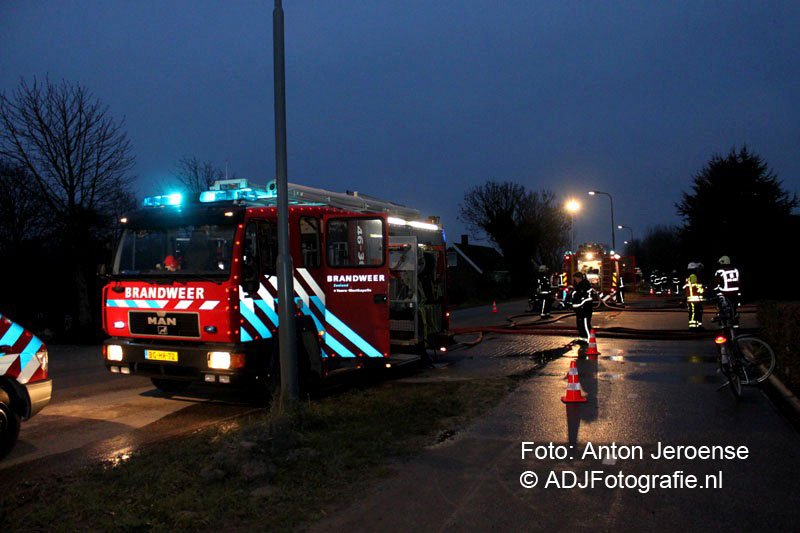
(164,324)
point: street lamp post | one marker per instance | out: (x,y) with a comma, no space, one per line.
(613,237)
(623,226)
(286,330)
(572,206)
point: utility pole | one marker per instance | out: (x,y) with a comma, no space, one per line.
(286,326)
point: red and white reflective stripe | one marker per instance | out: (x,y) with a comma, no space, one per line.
(301,292)
(574,386)
(7,361)
(184,304)
(29,370)
(208,305)
(318,292)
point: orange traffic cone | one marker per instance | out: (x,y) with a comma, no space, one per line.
(494,306)
(573,394)
(573,371)
(592,349)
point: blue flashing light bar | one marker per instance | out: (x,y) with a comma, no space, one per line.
(251,194)
(165,199)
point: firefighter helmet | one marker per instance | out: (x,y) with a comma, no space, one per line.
(543,268)
(724,260)
(170,263)
(692,266)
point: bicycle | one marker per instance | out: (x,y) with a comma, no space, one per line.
(743,359)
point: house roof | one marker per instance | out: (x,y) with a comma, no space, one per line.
(481,258)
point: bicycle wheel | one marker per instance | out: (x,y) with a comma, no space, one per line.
(758,359)
(734,382)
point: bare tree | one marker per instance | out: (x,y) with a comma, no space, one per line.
(78,159)
(528,227)
(22,214)
(196,175)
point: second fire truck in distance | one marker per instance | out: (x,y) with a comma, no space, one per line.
(598,265)
(192,295)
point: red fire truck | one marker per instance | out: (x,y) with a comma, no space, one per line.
(598,265)
(192,294)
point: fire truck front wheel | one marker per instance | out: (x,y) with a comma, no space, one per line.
(170,385)
(9,425)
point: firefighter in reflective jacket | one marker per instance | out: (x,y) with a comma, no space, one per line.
(582,304)
(694,297)
(544,292)
(726,280)
(563,287)
(618,288)
(675,280)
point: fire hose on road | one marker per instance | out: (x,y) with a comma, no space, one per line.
(552,327)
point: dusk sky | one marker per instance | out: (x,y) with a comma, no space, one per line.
(418,101)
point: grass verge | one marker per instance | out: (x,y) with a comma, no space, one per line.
(249,474)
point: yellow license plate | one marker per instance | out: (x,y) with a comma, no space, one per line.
(160,355)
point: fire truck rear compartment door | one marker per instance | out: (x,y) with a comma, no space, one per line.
(403,302)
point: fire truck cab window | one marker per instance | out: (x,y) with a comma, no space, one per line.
(249,252)
(354,242)
(268,247)
(309,242)
(183,250)
(260,250)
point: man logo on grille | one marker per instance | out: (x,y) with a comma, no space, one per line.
(161,321)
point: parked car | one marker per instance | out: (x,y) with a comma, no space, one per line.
(25,386)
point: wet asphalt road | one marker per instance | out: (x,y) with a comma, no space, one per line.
(98,416)
(638,394)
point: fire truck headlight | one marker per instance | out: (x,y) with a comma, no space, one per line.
(43,358)
(219,360)
(225,360)
(119,324)
(114,352)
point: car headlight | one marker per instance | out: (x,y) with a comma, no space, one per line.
(114,352)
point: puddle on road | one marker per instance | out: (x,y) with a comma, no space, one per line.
(673,379)
(661,358)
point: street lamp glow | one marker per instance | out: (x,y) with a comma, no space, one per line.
(572,205)
(592,193)
(620,226)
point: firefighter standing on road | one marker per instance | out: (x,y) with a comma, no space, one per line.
(675,280)
(582,304)
(544,292)
(726,280)
(618,288)
(694,297)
